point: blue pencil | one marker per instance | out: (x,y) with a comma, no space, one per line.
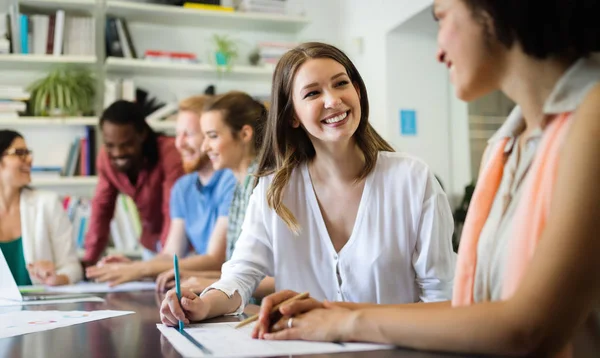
(177,286)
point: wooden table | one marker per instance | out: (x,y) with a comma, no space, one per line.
(132,335)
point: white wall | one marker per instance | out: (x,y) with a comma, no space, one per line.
(397,62)
(369,22)
(416,81)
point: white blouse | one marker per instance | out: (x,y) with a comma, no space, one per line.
(400,250)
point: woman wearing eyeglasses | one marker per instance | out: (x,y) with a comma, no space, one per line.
(35,234)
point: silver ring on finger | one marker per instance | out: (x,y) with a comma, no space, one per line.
(290,322)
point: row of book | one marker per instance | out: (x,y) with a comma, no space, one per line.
(80,160)
(118,39)
(55,34)
(119,43)
(125,227)
(13,101)
(270,52)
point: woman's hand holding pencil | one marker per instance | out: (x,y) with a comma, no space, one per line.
(191,308)
(277,309)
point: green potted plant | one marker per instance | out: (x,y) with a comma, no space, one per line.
(63,92)
(225,51)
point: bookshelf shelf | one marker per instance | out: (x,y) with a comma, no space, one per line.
(47,121)
(64,181)
(70,121)
(43,62)
(81,5)
(179,16)
(143,67)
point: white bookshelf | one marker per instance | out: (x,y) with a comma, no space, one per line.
(70,121)
(118,65)
(64,181)
(69,5)
(48,121)
(42,62)
(179,16)
(152,27)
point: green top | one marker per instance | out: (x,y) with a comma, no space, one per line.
(13,253)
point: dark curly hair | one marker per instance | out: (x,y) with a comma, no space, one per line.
(543,28)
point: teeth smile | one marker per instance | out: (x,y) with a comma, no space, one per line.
(336,119)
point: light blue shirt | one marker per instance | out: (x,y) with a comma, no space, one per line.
(201,205)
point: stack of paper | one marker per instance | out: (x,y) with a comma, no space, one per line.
(224,340)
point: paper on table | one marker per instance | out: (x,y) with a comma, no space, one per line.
(23,322)
(223,340)
(92,287)
(6,303)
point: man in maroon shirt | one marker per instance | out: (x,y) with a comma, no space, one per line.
(137,162)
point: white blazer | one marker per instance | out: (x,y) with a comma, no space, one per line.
(47,233)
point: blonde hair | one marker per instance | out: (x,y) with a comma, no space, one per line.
(194,104)
(286,147)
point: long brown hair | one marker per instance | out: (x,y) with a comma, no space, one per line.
(239,109)
(285,147)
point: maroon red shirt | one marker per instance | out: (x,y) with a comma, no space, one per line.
(150,193)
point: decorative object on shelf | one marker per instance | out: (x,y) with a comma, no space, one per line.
(64,92)
(210,90)
(225,51)
(254,57)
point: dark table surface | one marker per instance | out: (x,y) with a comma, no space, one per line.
(133,335)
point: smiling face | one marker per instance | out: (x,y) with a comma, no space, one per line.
(15,164)
(123,145)
(466,46)
(188,140)
(224,149)
(326,103)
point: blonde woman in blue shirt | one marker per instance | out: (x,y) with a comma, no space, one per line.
(233,126)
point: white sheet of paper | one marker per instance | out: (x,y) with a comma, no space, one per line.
(92,287)
(23,322)
(7,303)
(223,340)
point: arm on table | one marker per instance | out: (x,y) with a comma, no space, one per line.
(540,318)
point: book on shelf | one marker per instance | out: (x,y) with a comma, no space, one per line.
(125,226)
(119,88)
(166,112)
(125,89)
(170,56)
(13,101)
(43,34)
(207,7)
(270,52)
(262,6)
(119,42)
(81,156)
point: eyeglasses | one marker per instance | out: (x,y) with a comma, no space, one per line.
(22,153)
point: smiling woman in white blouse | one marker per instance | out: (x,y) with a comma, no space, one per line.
(35,233)
(336,212)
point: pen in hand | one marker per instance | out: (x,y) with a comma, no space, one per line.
(177,286)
